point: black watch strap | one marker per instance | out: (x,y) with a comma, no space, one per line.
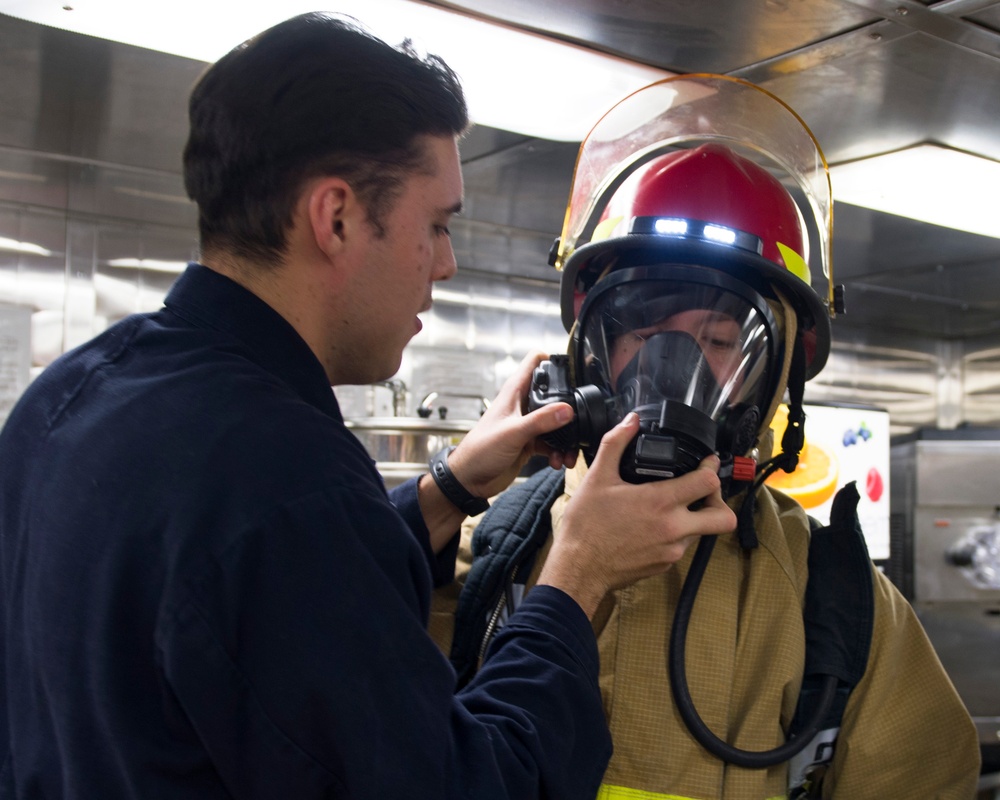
(457,494)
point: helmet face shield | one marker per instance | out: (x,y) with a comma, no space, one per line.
(688,349)
(720,153)
(689,110)
(693,204)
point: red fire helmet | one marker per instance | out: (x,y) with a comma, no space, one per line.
(706,207)
(713,184)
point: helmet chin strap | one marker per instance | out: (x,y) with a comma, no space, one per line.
(793,439)
(792,442)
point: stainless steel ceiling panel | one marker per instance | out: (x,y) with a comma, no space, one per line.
(35,95)
(493,249)
(92,99)
(686,35)
(908,276)
(968,289)
(516,190)
(870,244)
(988,18)
(524,186)
(142,118)
(942,21)
(867,76)
(894,93)
(888,309)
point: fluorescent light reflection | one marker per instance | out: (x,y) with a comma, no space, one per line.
(514,80)
(151,264)
(531,307)
(928,183)
(14,246)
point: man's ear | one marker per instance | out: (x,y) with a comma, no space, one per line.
(333,210)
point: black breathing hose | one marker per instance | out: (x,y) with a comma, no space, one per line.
(682,696)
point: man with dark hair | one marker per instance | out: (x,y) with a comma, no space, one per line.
(259,128)
(207,591)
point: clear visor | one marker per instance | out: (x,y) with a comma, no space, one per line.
(652,343)
(692,109)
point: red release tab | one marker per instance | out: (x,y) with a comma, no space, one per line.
(744,468)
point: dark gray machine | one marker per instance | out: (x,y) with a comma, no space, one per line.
(945,557)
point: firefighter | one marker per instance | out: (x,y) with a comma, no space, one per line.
(779,662)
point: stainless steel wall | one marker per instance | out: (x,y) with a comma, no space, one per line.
(93,213)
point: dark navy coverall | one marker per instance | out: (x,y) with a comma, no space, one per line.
(207,592)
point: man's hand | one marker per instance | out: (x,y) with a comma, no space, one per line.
(493,452)
(614,533)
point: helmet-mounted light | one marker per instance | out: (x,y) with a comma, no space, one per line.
(696,229)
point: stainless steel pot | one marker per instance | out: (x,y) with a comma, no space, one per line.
(402,446)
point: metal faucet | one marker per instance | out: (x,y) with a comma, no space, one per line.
(425,409)
(398,389)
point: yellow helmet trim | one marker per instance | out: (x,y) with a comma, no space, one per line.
(795,263)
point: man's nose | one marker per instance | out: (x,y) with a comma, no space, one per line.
(446,266)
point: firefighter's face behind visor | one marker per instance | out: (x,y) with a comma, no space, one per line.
(719,336)
(695,360)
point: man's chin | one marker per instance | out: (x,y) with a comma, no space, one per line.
(388,370)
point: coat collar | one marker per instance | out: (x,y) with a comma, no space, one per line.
(208,299)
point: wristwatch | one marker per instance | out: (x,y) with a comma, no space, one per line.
(457,494)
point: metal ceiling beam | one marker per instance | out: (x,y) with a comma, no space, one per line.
(818,53)
(939,21)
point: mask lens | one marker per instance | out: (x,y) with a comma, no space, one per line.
(654,343)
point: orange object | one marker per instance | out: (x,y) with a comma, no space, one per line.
(814,480)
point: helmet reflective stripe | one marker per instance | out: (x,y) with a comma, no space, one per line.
(794,263)
(605,228)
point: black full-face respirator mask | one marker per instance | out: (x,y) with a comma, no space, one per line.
(693,352)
